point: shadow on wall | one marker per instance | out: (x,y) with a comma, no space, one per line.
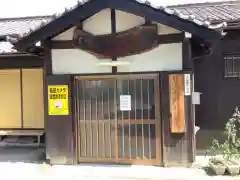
(204,139)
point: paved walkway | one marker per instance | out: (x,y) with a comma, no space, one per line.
(28,171)
(20,168)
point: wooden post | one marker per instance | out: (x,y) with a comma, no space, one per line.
(59,134)
(189,113)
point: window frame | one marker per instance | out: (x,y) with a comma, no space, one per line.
(233,73)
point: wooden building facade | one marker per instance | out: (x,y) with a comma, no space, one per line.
(120,91)
(217,78)
(21,78)
(22,93)
(217,72)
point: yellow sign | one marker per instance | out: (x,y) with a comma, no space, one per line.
(58,100)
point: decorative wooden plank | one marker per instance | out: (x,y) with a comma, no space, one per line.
(133,41)
(176,97)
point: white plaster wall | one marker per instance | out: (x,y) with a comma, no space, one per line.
(162,29)
(125,21)
(164,57)
(100,24)
(67,35)
(74,61)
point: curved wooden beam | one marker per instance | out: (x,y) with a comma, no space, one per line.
(133,41)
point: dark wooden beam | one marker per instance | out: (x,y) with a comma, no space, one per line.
(113,27)
(47,57)
(47,70)
(62,44)
(189,108)
(187,63)
(171,38)
(144,10)
(16,62)
(64,22)
(162,39)
(89,8)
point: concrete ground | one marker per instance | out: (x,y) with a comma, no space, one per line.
(27,155)
(22,163)
(27,164)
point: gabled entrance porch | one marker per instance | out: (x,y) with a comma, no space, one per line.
(119,91)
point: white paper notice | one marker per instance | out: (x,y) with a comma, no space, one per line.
(187,84)
(125,102)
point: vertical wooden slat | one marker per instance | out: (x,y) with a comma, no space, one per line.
(149,127)
(84,118)
(75,121)
(83,121)
(142,111)
(121,136)
(129,126)
(116,122)
(77,113)
(102,125)
(176,91)
(109,123)
(135,109)
(97,124)
(158,120)
(90,126)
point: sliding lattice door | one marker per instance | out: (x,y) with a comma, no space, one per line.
(109,130)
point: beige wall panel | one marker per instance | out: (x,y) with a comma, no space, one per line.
(165,57)
(33,108)
(10,99)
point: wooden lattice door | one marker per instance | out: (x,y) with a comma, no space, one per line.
(109,132)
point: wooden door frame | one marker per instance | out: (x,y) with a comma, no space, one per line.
(158,124)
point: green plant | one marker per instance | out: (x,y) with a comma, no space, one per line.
(230,149)
(215,148)
(231,145)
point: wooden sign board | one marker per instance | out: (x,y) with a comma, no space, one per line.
(177,106)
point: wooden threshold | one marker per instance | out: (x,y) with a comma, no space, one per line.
(119,161)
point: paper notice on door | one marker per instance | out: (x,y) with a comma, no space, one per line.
(125,102)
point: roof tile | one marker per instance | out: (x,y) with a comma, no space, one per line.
(152,4)
(204,14)
(6,48)
(213,12)
(18,27)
